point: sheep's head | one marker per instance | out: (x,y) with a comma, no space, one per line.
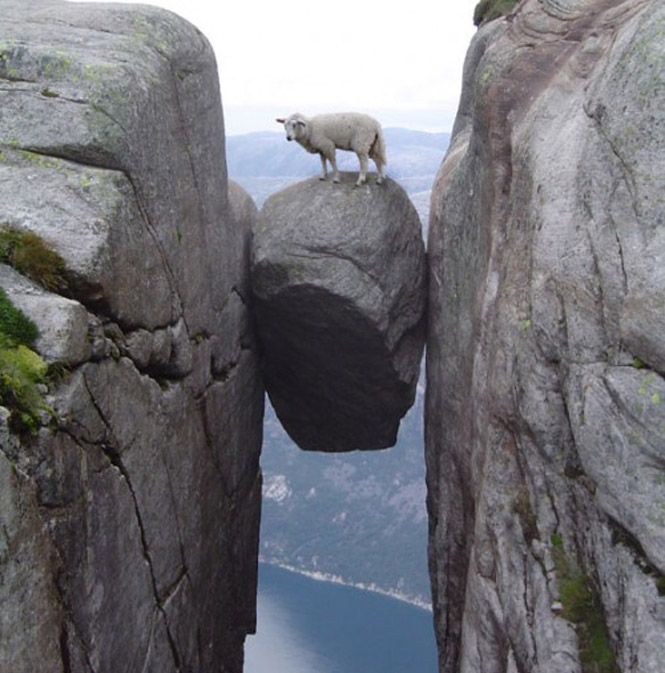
(295,126)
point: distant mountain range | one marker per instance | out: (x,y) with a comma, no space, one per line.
(359,516)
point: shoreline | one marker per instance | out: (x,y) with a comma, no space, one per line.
(336,579)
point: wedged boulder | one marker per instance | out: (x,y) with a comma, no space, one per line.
(338,278)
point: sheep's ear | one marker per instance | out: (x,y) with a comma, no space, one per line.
(280,121)
(300,122)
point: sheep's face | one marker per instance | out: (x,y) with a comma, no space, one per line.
(295,127)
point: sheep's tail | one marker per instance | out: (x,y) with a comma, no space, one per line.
(379,146)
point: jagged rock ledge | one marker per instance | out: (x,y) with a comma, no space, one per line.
(338,279)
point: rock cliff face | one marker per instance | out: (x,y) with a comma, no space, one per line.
(545,373)
(338,276)
(129,525)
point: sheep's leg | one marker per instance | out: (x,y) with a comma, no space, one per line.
(379,168)
(324,168)
(333,163)
(362,177)
(375,156)
(327,151)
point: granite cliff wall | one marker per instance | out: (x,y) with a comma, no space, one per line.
(129,524)
(545,372)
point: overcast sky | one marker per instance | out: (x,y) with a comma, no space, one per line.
(401,61)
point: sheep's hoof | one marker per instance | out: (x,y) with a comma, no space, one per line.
(322,177)
(336,181)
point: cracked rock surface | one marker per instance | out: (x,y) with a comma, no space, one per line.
(545,376)
(129,524)
(338,279)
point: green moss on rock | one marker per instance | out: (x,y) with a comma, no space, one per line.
(14,325)
(582,606)
(30,256)
(22,371)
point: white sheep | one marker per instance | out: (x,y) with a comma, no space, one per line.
(323,134)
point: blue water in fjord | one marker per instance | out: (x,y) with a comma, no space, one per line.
(308,626)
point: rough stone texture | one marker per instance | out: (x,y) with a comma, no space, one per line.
(29,638)
(547,279)
(338,276)
(63,323)
(129,526)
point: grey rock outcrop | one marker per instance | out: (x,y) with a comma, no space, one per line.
(545,375)
(63,322)
(338,278)
(129,525)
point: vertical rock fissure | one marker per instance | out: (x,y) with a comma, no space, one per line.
(176,510)
(177,306)
(68,625)
(597,115)
(112,453)
(624,274)
(184,127)
(64,649)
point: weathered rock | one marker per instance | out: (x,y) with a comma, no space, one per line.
(544,434)
(338,276)
(101,121)
(29,639)
(62,322)
(135,514)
